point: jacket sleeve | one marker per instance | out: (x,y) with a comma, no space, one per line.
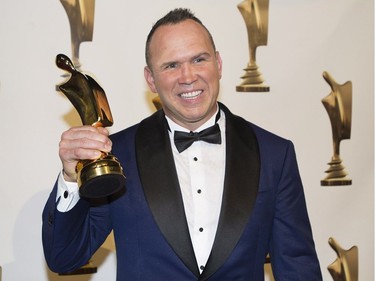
(71,238)
(292,249)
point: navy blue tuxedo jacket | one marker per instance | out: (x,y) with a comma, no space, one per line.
(263,211)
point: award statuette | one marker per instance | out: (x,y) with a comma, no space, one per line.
(345,267)
(255,14)
(339,108)
(104,176)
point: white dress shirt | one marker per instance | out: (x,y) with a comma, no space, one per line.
(200,170)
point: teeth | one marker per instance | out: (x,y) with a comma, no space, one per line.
(190,95)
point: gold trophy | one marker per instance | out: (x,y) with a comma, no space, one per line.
(339,108)
(104,176)
(345,267)
(255,14)
(81,19)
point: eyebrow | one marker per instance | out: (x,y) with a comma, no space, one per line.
(205,54)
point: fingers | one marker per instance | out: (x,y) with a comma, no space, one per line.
(81,143)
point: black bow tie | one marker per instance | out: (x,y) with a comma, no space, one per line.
(183,140)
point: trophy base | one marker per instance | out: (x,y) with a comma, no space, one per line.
(100,178)
(252,88)
(102,186)
(336,174)
(333,182)
(252,80)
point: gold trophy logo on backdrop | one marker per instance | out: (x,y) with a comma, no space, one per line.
(104,176)
(255,14)
(81,19)
(339,108)
(345,267)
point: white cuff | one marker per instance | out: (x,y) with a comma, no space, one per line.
(68,194)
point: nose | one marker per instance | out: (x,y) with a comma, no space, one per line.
(187,74)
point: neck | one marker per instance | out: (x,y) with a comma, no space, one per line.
(196,127)
(200,124)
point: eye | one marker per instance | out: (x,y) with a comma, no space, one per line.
(171,65)
(199,59)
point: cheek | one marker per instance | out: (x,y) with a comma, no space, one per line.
(164,83)
(214,80)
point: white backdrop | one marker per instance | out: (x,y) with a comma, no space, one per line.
(305,38)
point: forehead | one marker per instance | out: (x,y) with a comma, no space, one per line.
(180,37)
(188,25)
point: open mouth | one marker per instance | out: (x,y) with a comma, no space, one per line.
(191,95)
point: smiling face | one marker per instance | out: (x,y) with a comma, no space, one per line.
(185,71)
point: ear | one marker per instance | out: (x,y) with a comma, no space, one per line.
(149,79)
(219,63)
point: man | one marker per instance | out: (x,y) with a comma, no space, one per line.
(209,211)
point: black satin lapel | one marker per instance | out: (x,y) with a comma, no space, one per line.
(240,190)
(160,183)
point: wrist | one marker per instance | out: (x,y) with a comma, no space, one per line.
(69,177)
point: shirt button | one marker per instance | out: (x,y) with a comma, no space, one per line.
(195,159)
(201,267)
(66,194)
(199,191)
(201,229)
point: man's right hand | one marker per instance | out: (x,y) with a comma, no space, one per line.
(82,143)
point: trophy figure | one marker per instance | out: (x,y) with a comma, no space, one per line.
(339,108)
(81,19)
(255,14)
(104,176)
(345,267)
